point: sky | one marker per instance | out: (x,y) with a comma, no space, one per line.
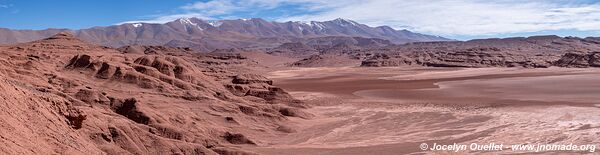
(456,19)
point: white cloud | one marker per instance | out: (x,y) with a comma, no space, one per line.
(442,17)
(222,9)
(467,17)
(229,7)
(213,7)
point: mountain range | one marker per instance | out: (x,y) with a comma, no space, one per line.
(206,35)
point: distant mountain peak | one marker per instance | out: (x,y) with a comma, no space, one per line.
(215,23)
(188,19)
(344,22)
(338,21)
(136,24)
(311,23)
(189,23)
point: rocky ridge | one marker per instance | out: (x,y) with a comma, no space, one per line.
(531,52)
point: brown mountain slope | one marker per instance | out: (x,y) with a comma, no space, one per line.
(209,35)
(64,96)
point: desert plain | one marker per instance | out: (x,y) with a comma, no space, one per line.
(394,110)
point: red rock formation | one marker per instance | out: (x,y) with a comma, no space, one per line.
(579,60)
(64,96)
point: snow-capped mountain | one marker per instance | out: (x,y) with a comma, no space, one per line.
(202,34)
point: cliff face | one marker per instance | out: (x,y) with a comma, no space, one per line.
(62,95)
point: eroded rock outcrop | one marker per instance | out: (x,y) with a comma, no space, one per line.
(130,108)
(251,79)
(236,138)
(579,60)
(90,96)
(258,86)
(68,97)
(459,59)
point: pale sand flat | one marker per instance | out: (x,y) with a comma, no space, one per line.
(377,116)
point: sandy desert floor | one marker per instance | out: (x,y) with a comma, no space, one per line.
(394,111)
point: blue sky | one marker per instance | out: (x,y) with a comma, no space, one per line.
(75,14)
(457,19)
